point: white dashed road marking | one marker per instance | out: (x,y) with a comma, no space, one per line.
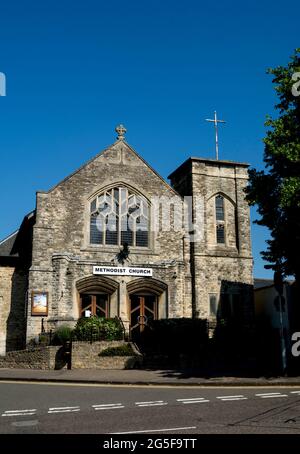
(195,400)
(108,406)
(270,395)
(239,397)
(63,410)
(154,403)
(19,412)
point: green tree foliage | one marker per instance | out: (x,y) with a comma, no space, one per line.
(276,191)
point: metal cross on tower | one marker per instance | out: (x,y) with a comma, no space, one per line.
(216,121)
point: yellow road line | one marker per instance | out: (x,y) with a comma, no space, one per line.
(152,386)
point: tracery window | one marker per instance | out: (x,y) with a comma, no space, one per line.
(119,216)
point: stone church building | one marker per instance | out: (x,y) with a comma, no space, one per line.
(68,260)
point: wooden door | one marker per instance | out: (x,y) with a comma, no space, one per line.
(95,304)
(143,308)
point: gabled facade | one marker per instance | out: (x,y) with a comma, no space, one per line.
(68,250)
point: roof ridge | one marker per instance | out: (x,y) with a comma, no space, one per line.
(99,154)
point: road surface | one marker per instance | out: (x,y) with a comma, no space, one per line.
(44,408)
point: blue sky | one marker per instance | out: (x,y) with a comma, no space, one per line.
(75,69)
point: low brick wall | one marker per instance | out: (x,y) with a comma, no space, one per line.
(37,358)
(86,356)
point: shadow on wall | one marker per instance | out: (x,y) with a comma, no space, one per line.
(61,359)
(277,320)
(233,349)
(236,305)
(16,321)
(229,351)
(244,340)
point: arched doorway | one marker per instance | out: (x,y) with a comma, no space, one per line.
(96,296)
(145,298)
(143,309)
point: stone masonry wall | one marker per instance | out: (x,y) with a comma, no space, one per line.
(38,358)
(86,356)
(229,264)
(224,275)
(6,274)
(62,228)
(13,287)
(219,268)
(63,213)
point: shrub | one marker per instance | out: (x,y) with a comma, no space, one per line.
(43,339)
(122,350)
(62,335)
(95,328)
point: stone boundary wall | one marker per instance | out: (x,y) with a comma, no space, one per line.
(84,356)
(38,358)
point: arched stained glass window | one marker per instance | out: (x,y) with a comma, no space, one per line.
(119,216)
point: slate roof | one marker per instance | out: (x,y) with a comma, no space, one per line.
(9,246)
(6,245)
(263,283)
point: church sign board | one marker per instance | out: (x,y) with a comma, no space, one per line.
(39,303)
(122,271)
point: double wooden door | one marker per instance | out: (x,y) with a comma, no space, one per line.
(97,304)
(143,309)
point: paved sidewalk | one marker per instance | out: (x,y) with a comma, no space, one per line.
(140,377)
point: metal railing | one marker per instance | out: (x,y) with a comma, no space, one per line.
(91,335)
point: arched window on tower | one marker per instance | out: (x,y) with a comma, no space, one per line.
(119,216)
(220,219)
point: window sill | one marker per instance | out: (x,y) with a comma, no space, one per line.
(116,249)
(222,247)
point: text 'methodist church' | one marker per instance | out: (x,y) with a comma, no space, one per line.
(63,264)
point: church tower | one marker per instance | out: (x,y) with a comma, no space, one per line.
(221,259)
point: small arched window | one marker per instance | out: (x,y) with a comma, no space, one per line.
(219,208)
(220,219)
(119,216)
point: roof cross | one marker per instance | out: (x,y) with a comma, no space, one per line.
(216,121)
(121,130)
